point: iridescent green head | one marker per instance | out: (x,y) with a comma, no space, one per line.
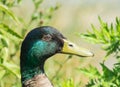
(42,43)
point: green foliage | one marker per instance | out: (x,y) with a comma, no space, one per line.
(109,37)
(6,29)
(12,30)
(68,83)
(7,34)
(92,72)
(9,12)
(108,78)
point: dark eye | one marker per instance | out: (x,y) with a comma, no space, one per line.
(47,37)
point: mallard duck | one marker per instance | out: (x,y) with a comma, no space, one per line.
(40,44)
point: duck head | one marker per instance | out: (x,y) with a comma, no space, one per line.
(42,43)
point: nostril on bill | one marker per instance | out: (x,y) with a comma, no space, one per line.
(70,45)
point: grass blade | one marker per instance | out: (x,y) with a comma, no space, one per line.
(9,12)
(9,30)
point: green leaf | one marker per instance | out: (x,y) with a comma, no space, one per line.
(106,35)
(37,3)
(118,25)
(2,73)
(103,24)
(4,42)
(9,12)
(91,72)
(96,32)
(4,54)
(108,74)
(7,29)
(109,37)
(11,68)
(68,83)
(90,37)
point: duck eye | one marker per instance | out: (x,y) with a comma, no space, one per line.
(47,37)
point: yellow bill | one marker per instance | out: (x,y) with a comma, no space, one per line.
(71,48)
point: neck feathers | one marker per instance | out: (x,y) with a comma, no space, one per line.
(39,80)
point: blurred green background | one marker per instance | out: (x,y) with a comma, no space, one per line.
(70,17)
